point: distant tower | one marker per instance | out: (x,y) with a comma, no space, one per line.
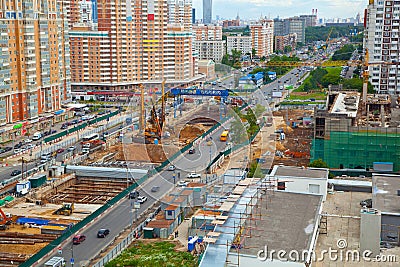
(193,16)
(207,11)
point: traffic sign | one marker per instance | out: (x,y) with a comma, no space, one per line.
(72,261)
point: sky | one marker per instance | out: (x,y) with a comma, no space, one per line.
(253,9)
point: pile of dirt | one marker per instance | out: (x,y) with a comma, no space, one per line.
(146,153)
(286,129)
(190,132)
(280,147)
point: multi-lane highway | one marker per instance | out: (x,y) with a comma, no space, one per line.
(121,216)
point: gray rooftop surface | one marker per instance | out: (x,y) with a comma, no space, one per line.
(287,222)
(300,172)
(384,193)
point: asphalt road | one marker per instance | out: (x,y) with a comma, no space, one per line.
(122,216)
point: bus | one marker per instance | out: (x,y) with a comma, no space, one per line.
(224,136)
(91,137)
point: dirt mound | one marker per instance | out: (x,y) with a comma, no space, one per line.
(286,129)
(280,147)
(190,132)
(145,153)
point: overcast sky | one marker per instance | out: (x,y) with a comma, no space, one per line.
(249,9)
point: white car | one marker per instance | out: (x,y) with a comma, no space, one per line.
(182,184)
(27,141)
(142,199)
(193,175)
(71,148)
(171,168)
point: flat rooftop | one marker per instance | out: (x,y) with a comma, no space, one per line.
(346,104)
(384,193)
(292,171)
(287,221)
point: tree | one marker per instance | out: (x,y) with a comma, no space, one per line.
(253,52)
(255,170)
(307,85)
(318,163)
(238,131)
(287,49)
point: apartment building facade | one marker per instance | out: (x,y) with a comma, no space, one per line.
(207,32)
(240,43)
(283,41)
(208,43)
(118,44)
(34,75)
(290,26)
(381,39)
(262,37)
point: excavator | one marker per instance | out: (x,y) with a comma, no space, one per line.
(5,221)
(66,209)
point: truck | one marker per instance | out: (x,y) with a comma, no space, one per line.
(276,94)
(55,262)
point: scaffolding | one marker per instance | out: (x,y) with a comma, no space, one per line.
(358,147)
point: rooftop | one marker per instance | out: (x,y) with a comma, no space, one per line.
(346,104)
(288,223)
(159,222)
(172,207)
(384,193)
(293,171)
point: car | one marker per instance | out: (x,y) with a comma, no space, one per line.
(142,199)
(27,141)
(64,126)
(77,239)
(60,150)
(53,131)
(182,184)
(43,161)
(193,175)
(171,168)
(7,148)
(15,172)
(103,233)
(155,189)
(192,151)
(2,150)
(367,203)
(71,148)
(87,145)
(30,146)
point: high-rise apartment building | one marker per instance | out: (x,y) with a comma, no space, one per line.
(289,26)
(289,40)
(240,43)
(118,44)
(208,43)
(262,37)
(309,20)
(207,11)
(34,75)
(207,32)
(382,39)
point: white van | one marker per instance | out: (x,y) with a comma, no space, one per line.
(37,136)
(55,262)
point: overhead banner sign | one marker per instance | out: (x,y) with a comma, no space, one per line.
(200,92)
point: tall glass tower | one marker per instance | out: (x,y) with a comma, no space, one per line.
(207,11)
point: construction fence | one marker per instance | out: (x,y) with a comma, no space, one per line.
(358,148)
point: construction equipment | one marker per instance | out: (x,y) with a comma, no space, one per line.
(66,209)
(5,221)
(156,122)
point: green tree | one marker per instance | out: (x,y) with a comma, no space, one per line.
(253,52)
(287,49)
(330,78)
(318,163)
(307,85)
(255,170)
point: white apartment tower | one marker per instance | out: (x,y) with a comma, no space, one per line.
(381,39)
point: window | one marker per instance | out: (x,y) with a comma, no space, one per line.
(313,188)
(169,212)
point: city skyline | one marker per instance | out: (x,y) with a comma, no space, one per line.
(253,9)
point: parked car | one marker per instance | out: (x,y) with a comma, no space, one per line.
(133,194)
(192,151)
(182,184)
(103,233)
(71,148)
(27,141)
(2,150)
(7,148)
(142,199)
(64,126)
(60,150)
(171,168)
(78,239)
(15,172)
(193,175)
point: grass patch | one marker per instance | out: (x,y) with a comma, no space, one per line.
(334,70)
(317,96)
(158,254)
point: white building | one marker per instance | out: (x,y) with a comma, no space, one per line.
(210,49)
(381,38)
(240,43)
(299,180)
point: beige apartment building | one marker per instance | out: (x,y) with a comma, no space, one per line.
(262,37)
(34,75)
(116,45)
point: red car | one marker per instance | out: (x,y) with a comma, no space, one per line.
(78,239)
(60,150)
